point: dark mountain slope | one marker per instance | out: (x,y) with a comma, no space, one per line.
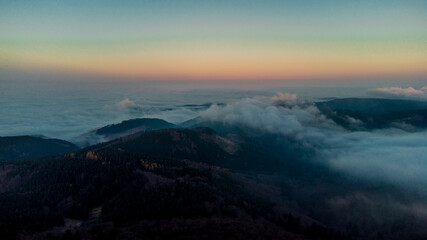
(114,193)
(200,145)
(26,147)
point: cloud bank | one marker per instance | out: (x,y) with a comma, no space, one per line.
(125,103)
(401,92)
(284,97)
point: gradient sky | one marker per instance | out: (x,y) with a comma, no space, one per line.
(217,39)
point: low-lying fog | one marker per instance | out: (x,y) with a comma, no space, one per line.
(391,155)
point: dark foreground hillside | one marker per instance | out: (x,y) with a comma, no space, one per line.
(114,193)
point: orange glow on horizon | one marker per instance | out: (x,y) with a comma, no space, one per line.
(227,62)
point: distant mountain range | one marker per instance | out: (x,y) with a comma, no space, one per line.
(372,113)
(373,105)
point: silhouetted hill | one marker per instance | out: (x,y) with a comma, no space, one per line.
(26,147)
(132,126)
(125,128)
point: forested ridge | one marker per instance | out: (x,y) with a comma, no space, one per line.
(115,191)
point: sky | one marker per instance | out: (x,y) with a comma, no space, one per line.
(216,40)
